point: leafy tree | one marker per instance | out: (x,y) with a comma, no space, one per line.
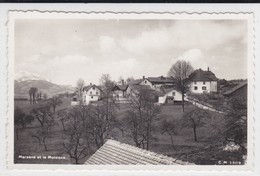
(181,71)
(33,93)
(45,96)
(195,118)
(54,102)
(21,120)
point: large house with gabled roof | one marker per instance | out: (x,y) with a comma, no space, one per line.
(203,82)
(91,93)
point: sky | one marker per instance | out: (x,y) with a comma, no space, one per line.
(65,50)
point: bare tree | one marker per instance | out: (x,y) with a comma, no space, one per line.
(140,118)
(42,114)
(195,118)
(54,102)
(101,123)
(62,116)
(169,127)
(79,88)
(78,143)
(181,71)
(41,135)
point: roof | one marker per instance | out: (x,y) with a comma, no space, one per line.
(117,153)
(135,82)
(231,91)
(166,91)
(89,86)
(153,80)
(160,80)
(201,75)
(120,87)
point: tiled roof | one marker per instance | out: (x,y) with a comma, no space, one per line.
(117,153)
(154,80)
(136,81)
(120,87)
(201,75)
(230,91)
(89,86)
(160,80)
(164,92)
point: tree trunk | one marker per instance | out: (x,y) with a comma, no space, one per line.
(182,102)
(63,126)
(195,134)
(17,134)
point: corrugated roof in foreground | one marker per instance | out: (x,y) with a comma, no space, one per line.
(117,153)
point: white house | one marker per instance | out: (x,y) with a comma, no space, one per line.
(203,82)
(169,96)
(91,93)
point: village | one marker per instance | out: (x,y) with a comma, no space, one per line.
(150,120)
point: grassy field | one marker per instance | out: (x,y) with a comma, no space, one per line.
(184,147)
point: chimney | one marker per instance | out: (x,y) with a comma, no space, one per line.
(143,77)
(208,68)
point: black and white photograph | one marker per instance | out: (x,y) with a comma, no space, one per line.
(131,91)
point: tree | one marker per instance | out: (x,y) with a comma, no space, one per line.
(41,135)
(181,71)
(169,127)
(42,114)
(78,143)
(62,116)
(101,123)
(236,121)
(79,88)
(45,96)
(32,93)
(21,120)
(54,102)
(195,118)
(140,118)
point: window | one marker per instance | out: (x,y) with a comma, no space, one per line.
(145,82)
(204,88)
(173,94)
(91,96)
(93,88)
(90,92)
(97,93)
(195,88)
(204,82)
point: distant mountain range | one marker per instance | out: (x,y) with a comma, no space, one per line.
(25,80)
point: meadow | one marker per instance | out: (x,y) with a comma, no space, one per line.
(204,151)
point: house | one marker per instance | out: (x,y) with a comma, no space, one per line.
(119,93)
(154,82)
(117,153)
(239,90)
(91,93)
(203,81)
(169,96)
